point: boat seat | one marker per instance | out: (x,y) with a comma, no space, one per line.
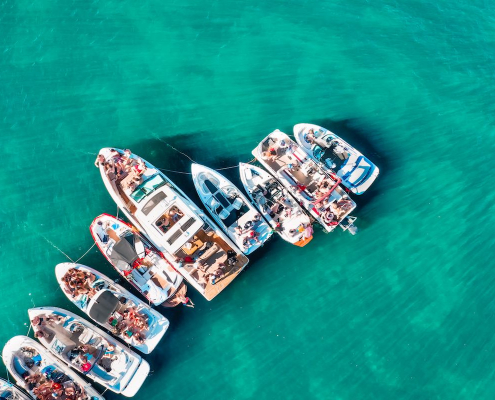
(138,278)
(224,213)
(212,203)
(248,173)
(237,204)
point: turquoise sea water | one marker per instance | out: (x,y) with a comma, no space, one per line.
(403,310)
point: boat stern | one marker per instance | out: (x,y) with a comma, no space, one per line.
(137,380)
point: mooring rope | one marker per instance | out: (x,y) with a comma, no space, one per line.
(216,169)
(85,253)
(70,259)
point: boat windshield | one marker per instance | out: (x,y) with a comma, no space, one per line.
(147,187)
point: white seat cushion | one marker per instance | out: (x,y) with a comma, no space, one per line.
(237,204)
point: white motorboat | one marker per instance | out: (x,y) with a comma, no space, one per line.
(356,171)
(315,188)
(112,306)
(9,391)
(89,350)
(184,233)
(275,203)
(41,374)
(231,209)
(135,259)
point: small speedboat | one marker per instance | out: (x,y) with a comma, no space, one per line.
(188,238)
(112,306)
(9,391)
(356,171)
(231,209)
(135,259)
(41,374)
(89,350)
(275,203)
(315,188)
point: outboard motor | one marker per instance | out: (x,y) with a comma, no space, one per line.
(347,224)
(352,229)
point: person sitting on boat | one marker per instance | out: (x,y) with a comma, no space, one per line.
(138,338)
(136,318)
(100,160)
(254,235)
(231,258)
(87,353)
(293,166)
(217,274)
(32,380)
(246,243)
(44,391)
(238,230)
(43,333)
(345,204)
(310,136)
(127,160)
(334,207)
(175,214)
(140,167)
(163,224)
(329,217)
(270,155)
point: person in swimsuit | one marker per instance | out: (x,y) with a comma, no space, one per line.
(100,160)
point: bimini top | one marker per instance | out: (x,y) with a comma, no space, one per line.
(123,251)
(102,306)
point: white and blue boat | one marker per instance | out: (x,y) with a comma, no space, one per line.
(356,171)
(9,391)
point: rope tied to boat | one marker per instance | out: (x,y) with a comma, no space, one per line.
(65,254)
(216,169)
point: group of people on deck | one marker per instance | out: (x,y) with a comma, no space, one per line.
(49,383)
(78,282)
(334,211)
(130,323)
(200,269)
(48,388)
(248,232)
(118,166)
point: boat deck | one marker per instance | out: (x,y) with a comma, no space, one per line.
(212,251)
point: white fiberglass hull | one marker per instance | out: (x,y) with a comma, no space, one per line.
(329,205)
(9,391)
(135,215)
(158,324)
(293,225)
(216,192)
(132,370)
(18,368)
(357,172)
(160,280)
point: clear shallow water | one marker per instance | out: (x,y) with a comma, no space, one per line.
(402,310)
